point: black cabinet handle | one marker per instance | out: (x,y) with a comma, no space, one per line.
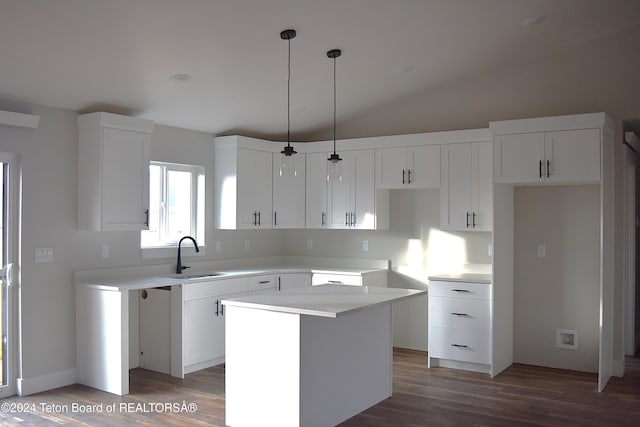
(353,219)
(459,345)
(146,212)
(275,218)
(460,314)
(548,167)
(279,283)
(540,168)
(217,307)
(409,175)
(255,219)
(460,290)
(324,222)
(221,309)
(403,173)
(346,219)
(259,221)
(473,220)
(264,282)
(335,281)
(467,219)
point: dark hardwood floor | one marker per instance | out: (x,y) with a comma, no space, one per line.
(520,396)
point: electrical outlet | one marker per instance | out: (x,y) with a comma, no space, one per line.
(104,251)
(365,246)
(309,244)
(44,254)
(542,251)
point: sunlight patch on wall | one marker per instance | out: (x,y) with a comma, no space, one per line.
(446,253)
(415,266)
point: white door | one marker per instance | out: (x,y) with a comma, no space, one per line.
(316,190)
(424,166)
(392,167)
(254,189)
(364,191)
(339,195)
(519,158)
(288,194)
(572,155)
(10,278)
(125,179)
(482,191)
(456,192)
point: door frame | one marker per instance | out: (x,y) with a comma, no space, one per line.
(13,229)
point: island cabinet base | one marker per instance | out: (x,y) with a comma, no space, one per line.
(285,369)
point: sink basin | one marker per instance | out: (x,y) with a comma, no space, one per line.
(196,275)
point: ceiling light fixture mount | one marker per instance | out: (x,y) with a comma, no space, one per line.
(287,167)
(334,159)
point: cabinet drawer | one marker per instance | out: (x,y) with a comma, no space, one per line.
(460,313)
(457,344)
(439,288)
(214,288)
(267,281)
(338,279)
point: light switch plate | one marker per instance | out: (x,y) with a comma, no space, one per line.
(44,254)
(309,244)
(542,251)
(104,251)
(365,246)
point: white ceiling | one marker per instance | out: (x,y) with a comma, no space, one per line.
(119,55)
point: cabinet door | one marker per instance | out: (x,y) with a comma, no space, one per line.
(125,179)
(456,212)
(254,189)
(573,156)
(203,330)
(339,196)
(518,158)
(392,169)
(316,190)
(424,166)
(364,190)
(289,194)
(293,281)
(482,191)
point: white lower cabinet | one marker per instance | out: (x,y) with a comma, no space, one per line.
(460,325)
(203,321)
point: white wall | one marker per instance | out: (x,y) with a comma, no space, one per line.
(49,155)
(561,290)
(414,244)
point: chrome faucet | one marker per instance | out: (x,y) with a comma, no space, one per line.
(179,266)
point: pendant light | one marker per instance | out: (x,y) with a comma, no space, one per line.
(287,166)
(335,169)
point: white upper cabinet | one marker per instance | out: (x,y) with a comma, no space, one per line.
(113,172)
(353,201)
(466,194)
(408,167)
(316,190)
(243,187)
(289,193)
(562,157)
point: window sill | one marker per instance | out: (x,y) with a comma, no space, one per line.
(172,252)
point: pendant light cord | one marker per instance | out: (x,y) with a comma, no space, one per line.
(289,95)
(334,105)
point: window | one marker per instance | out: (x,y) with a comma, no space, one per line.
(176,205)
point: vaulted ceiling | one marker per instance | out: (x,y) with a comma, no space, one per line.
(407,65)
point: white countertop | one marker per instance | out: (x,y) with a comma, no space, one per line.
(169,279)
(463,277)
(324,300)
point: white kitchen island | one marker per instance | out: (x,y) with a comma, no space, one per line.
(308,357)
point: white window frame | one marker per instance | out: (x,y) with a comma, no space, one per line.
(166,247)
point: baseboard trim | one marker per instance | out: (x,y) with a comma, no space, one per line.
(27,386)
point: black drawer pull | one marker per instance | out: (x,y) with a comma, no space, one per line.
(460,290)
(335,281)
(264,282)
(460,314)
(459,345)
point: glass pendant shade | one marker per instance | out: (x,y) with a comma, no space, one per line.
(287,164)
(334,171)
